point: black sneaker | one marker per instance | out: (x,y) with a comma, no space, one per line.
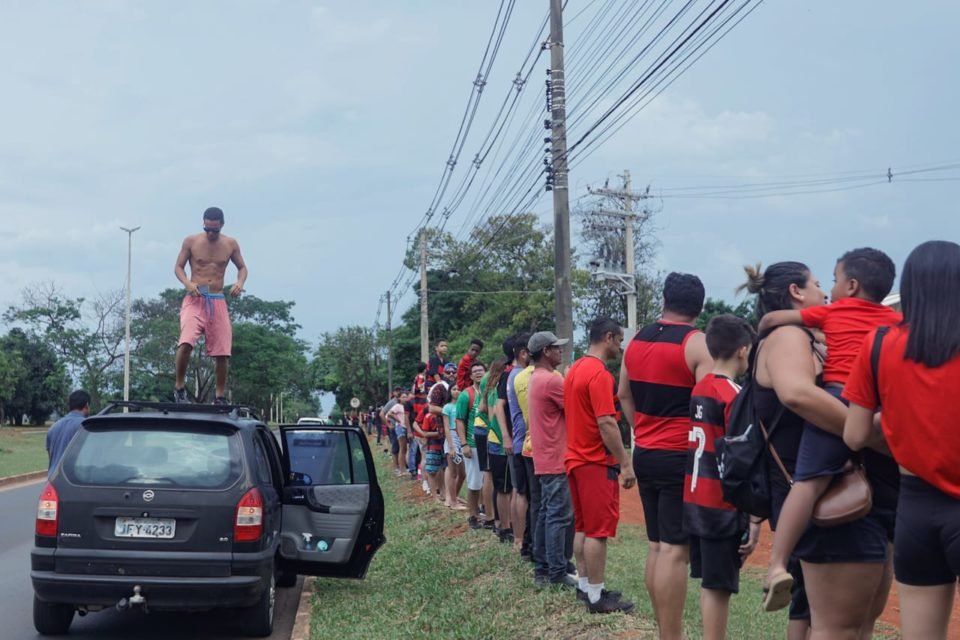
(583,597)
(489,524)
(220,400)
(608,604)
(180,396)
(540,580)
(566,581)
(474,522)
(505,535)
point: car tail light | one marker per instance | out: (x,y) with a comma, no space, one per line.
(249,524)
(48,512)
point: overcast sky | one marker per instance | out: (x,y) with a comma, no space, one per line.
(321,128)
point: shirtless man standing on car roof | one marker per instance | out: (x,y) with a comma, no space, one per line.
(204,309)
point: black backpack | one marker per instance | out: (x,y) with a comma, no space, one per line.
(742,455)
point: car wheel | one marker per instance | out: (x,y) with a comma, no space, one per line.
(286,579)
(258,619)
(51,618)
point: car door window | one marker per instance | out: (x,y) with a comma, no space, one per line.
(262,462)
(320,457)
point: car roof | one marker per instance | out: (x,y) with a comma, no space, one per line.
(237,417)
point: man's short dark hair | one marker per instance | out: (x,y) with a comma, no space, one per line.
(521,340)
(78,400)
(213,213)
(600,327)
(683,293)
(436,343)
(478,342)
(727,334)
(508,345)
(872,268)
(421,367)
(477,363)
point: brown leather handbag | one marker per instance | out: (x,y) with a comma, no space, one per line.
(848,498)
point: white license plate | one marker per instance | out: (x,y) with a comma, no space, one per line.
(145,528)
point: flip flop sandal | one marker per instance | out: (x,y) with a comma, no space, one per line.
(777,595)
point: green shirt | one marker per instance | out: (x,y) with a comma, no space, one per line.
(467,411)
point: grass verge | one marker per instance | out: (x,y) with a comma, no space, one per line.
(22,450)
(437,579)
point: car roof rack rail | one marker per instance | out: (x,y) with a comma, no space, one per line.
(232,410)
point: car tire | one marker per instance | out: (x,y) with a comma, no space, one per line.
(286,579)
(257,621)
(51,618)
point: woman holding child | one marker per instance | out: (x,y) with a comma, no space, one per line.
(845,573)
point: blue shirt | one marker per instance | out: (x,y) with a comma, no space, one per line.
(516,415)
(60,435)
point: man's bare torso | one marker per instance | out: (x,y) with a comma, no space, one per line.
(208,259)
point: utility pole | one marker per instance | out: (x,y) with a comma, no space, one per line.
(561,195)
(630,267)
(126,349)
(389,346)
(424,317)
(627,280)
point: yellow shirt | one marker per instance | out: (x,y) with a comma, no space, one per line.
(521,384)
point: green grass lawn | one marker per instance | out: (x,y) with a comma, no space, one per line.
(22,450)
(437,579)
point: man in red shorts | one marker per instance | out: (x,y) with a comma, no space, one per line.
(594,461)
(204,309)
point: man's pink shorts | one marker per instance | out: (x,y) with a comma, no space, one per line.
(208,316)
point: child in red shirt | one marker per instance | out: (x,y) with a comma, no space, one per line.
(862,279)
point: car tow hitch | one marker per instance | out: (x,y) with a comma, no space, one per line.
(135,600)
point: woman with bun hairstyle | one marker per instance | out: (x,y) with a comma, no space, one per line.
(916,383)
(843,575)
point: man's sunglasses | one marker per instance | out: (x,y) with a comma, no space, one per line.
(209,230)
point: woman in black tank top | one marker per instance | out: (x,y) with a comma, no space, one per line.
(845,594)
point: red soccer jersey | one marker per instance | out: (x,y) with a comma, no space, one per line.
(432,424)
(463,372)
(845,323)
(705,512)
(587,396)
(661,382)
(918,417)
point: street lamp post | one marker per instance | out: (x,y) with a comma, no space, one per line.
(126,350)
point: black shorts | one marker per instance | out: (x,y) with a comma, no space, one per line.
(483,457)
(660,481)
(821,453)
(518,474)
(927,542)
(500,471)
(717,562)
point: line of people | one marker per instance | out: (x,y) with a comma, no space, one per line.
(543,460)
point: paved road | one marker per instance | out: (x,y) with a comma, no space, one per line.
(18,508)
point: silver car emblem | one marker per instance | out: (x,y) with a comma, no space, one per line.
(148,495)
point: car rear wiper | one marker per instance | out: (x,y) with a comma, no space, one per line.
(151,479)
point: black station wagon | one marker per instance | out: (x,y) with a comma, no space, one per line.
(197,507)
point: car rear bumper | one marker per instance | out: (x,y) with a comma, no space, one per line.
(160,593)
(104,579)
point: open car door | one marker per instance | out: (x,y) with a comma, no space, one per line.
(332,504)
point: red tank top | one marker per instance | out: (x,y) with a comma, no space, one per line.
(661,382)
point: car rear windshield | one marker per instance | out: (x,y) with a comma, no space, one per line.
(144,456)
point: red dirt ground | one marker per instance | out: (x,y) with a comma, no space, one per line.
(631,511)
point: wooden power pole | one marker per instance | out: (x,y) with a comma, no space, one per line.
(389,346)
(424,317)
(561,195)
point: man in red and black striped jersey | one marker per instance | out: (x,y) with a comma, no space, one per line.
(715,527)
(660,367)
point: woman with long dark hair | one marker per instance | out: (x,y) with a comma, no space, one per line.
(916,384)
(841,574)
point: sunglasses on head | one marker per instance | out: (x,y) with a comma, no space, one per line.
(209,230)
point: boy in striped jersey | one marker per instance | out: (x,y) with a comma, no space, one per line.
(716,529)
